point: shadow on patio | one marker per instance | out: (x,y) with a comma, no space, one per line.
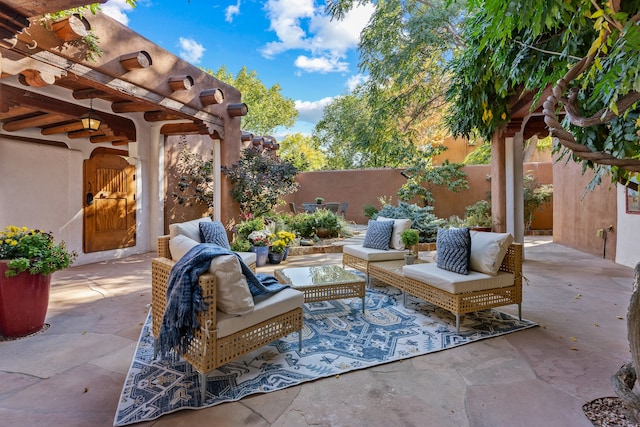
(72,374)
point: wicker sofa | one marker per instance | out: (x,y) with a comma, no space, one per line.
(224,337)
(497,280)
(462,294)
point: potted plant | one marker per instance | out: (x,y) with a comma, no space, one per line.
(27,259)
(287,237)
(260,245)
(276,252)
(478,216)
(319,200)
(326,223)
(410,240)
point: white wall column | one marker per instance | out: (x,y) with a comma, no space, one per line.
(156,182)
(514,193)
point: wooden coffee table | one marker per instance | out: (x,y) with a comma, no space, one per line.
(323,283)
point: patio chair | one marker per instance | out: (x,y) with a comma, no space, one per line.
(310,207)
(343,209)
(333,207)
(223,336)
(293,208)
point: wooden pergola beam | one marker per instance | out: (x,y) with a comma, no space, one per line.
(35,121)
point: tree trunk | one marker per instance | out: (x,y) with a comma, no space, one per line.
(624,380)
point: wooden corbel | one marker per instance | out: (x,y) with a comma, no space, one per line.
(211,97)
(246,137)
(136,60)
(36,78)
(236,110)
(180,82)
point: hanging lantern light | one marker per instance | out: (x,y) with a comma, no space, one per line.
(91,121)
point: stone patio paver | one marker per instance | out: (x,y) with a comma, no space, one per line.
(541,376)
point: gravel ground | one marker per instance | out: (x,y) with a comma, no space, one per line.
(607,412)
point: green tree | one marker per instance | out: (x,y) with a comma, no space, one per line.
(587,52)
(268,109)
(423,177)
(398,111)
(353,137)
(259,181)
(302,151)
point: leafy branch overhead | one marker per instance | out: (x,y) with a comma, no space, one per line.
(579,58)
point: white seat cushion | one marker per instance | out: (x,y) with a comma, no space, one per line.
(455,283)
(372,255)
(190,229)
(264,309)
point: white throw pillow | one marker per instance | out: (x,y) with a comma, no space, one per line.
(399,225)
(190,229)
(488,250)
(180,245)
(232,291)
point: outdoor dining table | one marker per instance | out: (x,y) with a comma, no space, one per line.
(314,206)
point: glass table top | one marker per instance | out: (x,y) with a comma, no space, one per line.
(317,276)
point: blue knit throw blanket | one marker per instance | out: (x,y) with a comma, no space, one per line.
(185,300)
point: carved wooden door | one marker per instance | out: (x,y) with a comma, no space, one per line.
(109,217)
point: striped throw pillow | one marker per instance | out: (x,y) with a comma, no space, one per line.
(378,235)
(214,232)
(453,249)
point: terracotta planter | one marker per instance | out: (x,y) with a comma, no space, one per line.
(323,233)
(24,300)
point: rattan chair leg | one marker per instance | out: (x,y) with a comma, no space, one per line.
(520,311)
(457,324)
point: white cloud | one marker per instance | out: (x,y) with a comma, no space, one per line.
(190,50)
(298,25)
(319,64)
(312,111)
(116,9)
(355,80)
(231,11)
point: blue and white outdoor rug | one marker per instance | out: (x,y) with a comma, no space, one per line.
(337,338)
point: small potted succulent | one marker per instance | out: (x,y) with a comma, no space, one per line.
(410,240)
(319,200)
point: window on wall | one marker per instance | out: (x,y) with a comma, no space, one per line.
(633,202)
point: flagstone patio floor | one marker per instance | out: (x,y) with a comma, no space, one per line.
(72,374)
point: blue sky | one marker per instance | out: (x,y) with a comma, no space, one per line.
(289,42)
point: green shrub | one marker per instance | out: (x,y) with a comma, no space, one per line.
(240,245)
(303,224)
(369,211)
(245,228)
(421,219)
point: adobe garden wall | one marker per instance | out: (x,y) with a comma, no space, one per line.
(364,186)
